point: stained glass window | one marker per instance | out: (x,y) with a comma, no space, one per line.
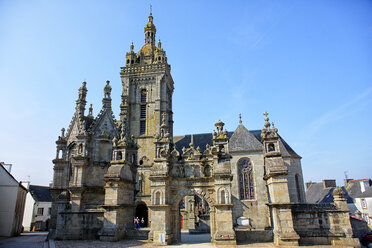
(246,183)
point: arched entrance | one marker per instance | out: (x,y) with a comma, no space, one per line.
(194,214)
(196,210)
(142,212)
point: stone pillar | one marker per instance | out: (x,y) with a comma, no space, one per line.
(62,203)
(161,231)
(284,233)
(54,211)
(276,174)
(339,221)
(119,201)
(224,233)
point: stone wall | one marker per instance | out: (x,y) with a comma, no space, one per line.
(256,209)
(79,225)
(322,224)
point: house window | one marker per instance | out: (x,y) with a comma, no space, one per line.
(364,203)
(246,183)
(40,211)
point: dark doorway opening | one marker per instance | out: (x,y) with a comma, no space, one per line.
(142,212)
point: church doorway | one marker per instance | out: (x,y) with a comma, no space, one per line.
(194,217)
(142,212)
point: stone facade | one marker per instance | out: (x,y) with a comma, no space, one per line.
(106,172)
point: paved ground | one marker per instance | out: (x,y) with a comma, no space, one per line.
(188,240)
(26,240)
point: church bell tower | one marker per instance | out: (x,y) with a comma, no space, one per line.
(147,89)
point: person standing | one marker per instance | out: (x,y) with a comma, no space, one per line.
(137,223)
(142,222)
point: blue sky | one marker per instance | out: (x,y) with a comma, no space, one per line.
(308,63)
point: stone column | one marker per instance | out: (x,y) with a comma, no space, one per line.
(54,212)
(161,230)
(339,221)
(119,201)
(284,233)
(224,233)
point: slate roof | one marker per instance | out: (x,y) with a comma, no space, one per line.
(317,193)
(353,187)
(243,140)
(367,193)
(40,193)
(203,139)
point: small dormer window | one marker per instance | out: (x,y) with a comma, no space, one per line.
(271,148)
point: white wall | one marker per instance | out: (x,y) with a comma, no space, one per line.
(366,212)
(29,209)
(8,196)
(46,215)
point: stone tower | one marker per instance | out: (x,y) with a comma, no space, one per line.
(147,88)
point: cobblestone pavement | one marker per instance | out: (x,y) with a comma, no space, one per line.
(26,240)
(189,241)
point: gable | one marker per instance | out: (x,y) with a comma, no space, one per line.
(243,140)
(104,124)
(6,178)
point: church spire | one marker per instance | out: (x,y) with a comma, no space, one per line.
(150,31)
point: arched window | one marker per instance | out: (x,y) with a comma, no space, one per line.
(223,200)
(157,198)
(298,187)
(246,183)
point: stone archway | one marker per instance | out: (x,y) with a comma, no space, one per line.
(142,212)
(176,211)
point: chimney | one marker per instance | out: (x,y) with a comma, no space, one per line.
(329,183)
(308,184)
(346,181)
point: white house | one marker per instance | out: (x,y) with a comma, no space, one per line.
(13,196)
(37,209)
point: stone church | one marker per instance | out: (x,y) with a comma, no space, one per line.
(239,186)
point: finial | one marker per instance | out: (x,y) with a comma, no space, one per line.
(63,132)
(192,141)
(240,119)
(267,123)
(159,44)
(91,110)
(150,9)
(131,47)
